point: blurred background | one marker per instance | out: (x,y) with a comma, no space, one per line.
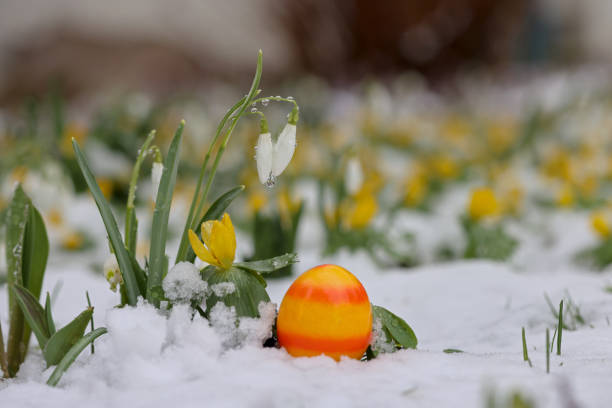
(165,47)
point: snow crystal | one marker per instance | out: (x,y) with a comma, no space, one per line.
(223,288)
(250,331)
(184,284)
(379,338)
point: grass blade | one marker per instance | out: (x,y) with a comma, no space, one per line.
(525,353)
(93,350)
(33,312)
(547,351)
(159,227)
(62,341)
(110,223)
(73,353)
(16,220)
(560,328)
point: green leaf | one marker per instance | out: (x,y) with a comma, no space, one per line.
(268,265)
(3,365)
(50,323)
(62,341)
(215,211)
(33,312)
(488,242)
(399,330)
(16,221)
(452,351)
(35,254)
(159,226)
(73,353)
(112,230)
(249,291)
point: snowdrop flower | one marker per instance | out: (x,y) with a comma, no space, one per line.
(273,158)
(219,247)
(112,272)
(156,174)
(353,177)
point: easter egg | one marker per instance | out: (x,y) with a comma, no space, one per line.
(325,311)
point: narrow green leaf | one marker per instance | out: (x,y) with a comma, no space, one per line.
(560,328)
(159,225)
(73,353)
(452,351)
(111,228)
(50,323)
(35,254)
(547,351)
(398,329)
(268,265)
(214,212)
(60,343)
(16,221)
(33,312)
(93,349)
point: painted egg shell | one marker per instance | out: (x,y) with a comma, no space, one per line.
(325,311)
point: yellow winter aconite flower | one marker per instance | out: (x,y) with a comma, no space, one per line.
(483,203)
(257,200)
(219,247)
(600,224)
(72,240)
(565,198)
(357,211)
(416,190)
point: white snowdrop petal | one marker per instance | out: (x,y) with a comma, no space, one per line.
(156,175)
(264,153)
(283,150)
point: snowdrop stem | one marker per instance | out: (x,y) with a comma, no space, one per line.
(145,150)
(232,115)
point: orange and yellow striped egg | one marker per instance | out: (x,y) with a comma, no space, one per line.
(325,311)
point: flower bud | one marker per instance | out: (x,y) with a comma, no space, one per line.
(112,272)
(284,149)
(264,155)
(156,175)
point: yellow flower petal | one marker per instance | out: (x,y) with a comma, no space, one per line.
(223,244)
(227,221)
(200,250)
(206,228)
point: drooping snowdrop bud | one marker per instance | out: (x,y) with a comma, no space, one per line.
(353,177)
(112,272)
(284,149)
(264,155)
(156,175)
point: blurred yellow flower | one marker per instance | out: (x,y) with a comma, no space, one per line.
(599,223)
(357,211)
(72,240)
(73,130)
(565,198)
(287,206)
(483,203)
(444,166)
(107,186)
(219,247)
(416,190)
(257,200)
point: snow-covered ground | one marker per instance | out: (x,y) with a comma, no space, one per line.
(479,307)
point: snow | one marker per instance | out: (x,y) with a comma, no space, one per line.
(183,283)
(155,359)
